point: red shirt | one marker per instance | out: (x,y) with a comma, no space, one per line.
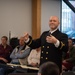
(5,52)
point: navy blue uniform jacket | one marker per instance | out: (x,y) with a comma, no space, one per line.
(48,50)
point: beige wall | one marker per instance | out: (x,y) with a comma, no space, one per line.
(49,8)
(15,16)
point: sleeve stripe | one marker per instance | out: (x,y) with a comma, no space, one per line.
(30,42)
(62,45)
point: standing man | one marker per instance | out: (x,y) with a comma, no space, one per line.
(52,43)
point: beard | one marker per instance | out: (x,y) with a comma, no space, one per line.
(53,27)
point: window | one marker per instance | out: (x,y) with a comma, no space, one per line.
(68,20)
(72,2)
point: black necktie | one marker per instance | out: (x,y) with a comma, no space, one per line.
(49,33)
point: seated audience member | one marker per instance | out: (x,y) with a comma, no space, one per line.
(18,56)
(20,53)
(49,68)
(34,58)
(69,61)
(5,50)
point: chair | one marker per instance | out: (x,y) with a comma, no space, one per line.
(14,42)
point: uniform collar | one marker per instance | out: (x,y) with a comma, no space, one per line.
(53,30)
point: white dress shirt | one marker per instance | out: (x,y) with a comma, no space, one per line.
(34,57)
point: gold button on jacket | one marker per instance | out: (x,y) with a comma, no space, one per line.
(46,52)
(47,46)
(46,58)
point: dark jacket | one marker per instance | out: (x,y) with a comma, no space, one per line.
(48,50)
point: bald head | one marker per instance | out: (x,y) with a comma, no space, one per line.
(54,17)
(53,22)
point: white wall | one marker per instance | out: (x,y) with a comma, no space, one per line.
(15,16)
(49,8)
